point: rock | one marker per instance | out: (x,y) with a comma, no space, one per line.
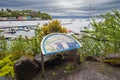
(25,68)
(49,61)
(37,59)
(113,59)
(113,56)
(54,62)
(3,78)
(92,58)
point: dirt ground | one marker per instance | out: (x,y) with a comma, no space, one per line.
(86,70)
(55,71)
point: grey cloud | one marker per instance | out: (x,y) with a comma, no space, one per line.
(63,7)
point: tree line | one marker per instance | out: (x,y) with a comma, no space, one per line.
(16,13)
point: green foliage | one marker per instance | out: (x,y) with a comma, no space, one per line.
(112,61)
(3,44)
(6,66)
(45,16)
(18,46)
(108,31)
(105,37)
(0,32)
(3,47)
(54,73)
(25,46)
(91,47)
(55,26)
(68,68)
(52,27)
(34,46)
(15,13)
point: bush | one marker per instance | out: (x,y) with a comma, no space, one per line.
(52,27)
(105,37)
(108,31)
(6,66)
(3,47)
(91,47)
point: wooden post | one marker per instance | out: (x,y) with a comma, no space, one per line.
(42,65)
(75,58)
(78,58)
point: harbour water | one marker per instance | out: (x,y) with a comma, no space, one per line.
(76,25)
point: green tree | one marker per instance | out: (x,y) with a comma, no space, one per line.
(15,13)
(45,16)
(8,10)
(2,9)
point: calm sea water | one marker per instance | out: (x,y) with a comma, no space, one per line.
(76,25)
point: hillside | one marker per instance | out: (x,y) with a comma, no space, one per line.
(16,13)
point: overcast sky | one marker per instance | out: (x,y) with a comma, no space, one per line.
(63,7)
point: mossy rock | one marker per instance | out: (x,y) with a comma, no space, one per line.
(113,62)
(113,56)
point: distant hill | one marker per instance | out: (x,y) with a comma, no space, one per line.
(24,13)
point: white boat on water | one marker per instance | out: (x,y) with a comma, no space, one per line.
(11,31)
(10,36)
(26,29)
(72,20)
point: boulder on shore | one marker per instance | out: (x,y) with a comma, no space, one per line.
(113,59)
(113,56)
(25,68)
